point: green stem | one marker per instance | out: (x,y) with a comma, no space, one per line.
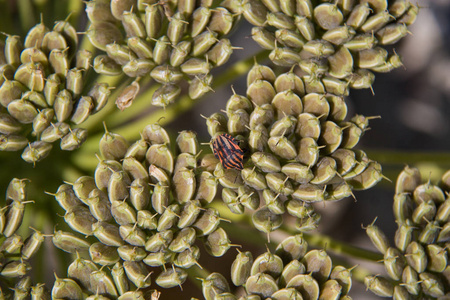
(410,158)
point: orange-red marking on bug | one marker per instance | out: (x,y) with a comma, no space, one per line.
(227,150)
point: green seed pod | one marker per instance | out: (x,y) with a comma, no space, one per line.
(283,126)
(35,36)
(426,192)
(443,212)
(230,198)
(200,85)
(36,151)
(160,156)
(187,258)
(132,235)
(262,115)
(282,147)
(103,173)
(103,254)
(313,66)
(169,217)
(105,65)
(398,8)
(255,12)
(299,209)
(298,172)
(248,197)
(345,160)
(189,214)
(153,20)
(35,98)
(213,285)
(158,175)
(309,193)
(221,21)
(207,187)
(376,21)
(361,165)
(371,58)
(83,109)
(73,139)
(238,122)
(308,127)
(157,259)
(358,15)
(335,86)
(216,123)
(267,263)
(16,190)
(409,17)
(258,138)
(140,193)
(315,104)
(63,105)
(416,257)
(15,269)
(266,221)
(343,276)
(113,146)
(135,169)
(99,205)
(378,238)
(83,60)
(74,82)
(280,20)
(102,283)
(379,286)
(138,67)
(368,178)
(99,93)
(261,284)
(196,66)
(429,234)
(324,170)
(264,38)
(159,241)
(431,285)
(160,197)
(391,34)
(66,288)
(266,162)
(12,49)
(9,125)
(273,203)
(137,273)
(68,242)
(254,178)
(137,150)
(444,234)
(11,90)
(165,95)
(140,47)
(207,222)
(313,84)
(331,137)
(361,42)
(122,212)
(54,40)
(437,258)
(161,50)
(155,134)
(317,49)
(120,279)
(40,122)
(79,218)
(284,57)
(200,18)
(171,278)
(287,103)
(305,27)
(330,290)
(292,269)
(318,264)
(289,82)
(146,220)
(241,267)
(328,16)
(183,240)
(403,207)
(83,186)
(229,178)
(107,233)
(279,183)
(177,28)
(180,53)
(341,63)
(36,55)
(410,280)
(403,235)
(39,292)
(133,25)
(220,52)
(166,74)
(12,244)
(394,263)
(408,180)
(425,211)
(22,110)
(59,62)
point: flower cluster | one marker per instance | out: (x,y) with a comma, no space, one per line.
(291,273)
(167,40)
(42,91)
(418,263)
(337,46)
(300,149)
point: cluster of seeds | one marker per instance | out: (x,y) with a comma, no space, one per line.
(42,82)
(146,208)
(14,250)
(336,45)
(169,40)
(418,263)
(290,273)
(299,145)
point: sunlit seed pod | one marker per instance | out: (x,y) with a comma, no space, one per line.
(358,15)
(66,288)
(328,16)
(370,58)
(22,110)
(299,209)
(292,269)
(284,57)
(391,33)
(280,20)
(305,27)
(40,122)
(258,138)
(146,220)
(444,234)
(423,212)
(403,235)
(431,284)
(99,205)
(330,137)
(63,105)
(313,66)
(105,65)
(289,38)
(379,286)
(254,178)
(220,52)
(217,242)
(66,197)
(437,258)
(255,12)
(241,267)
(316,49)
(230,178)
(430,233)
(308,126)
(80,219)
(262,115)
(12,49)
(207,187)
(140,193)
(133,25)
(100,93)
(35,36)
(343,276)
(410,280)
(376,21)
(207,221)
(11,244)
(158,259)
(16,190)
(409,17)
(279,183)
(102,283)
(351,135)
(33,55)
(345,160)
(159,241)
(309,193)
(304,8)
(171,278)
(266,221)
(309,223)
(35,98)
(83,186)
(377,237)
(36,151)
(335,86)
(165,95)
(230,198)
(221,21)
(261,284)
(213,285)
(361,42)
(200,19)
(263,37)
(103,173)
(315,104)
(83,109)
(15,269)
(54,40)
(51,88)
(160,197)
(140,47)
(266,162)
(248,197)
(12,142)
(121,54)
(402,207)
(122,212)
(135,169)
(284,126)
(99,11)
(153,20)
(113,146)
(189,214)
(331,289)
(138,67)
(298,172)
(216,123)
(137,150)
(133,235)
(169,217)
(107,233)
(161,156)
(59,62)
(69,242)
(187,258)
(267,263)
(427,191)
(103,255)
(408,180)
(166,74)
(259,72)
(196,66)
(273,202)
(282,147)
(394,263)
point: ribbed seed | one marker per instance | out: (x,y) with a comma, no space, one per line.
(379,286)
(79,218)
(80,269)
(66,288)
(122,212)
(107,233)
(133,235)
(378,238)
(120,279)
(69,242)
(171,278)
(22,110)
(137,273)
(103,254)
(102,283)
(36,151)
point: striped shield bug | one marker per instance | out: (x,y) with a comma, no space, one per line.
(227,150)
